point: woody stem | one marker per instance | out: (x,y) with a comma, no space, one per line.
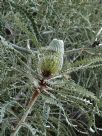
(28,109)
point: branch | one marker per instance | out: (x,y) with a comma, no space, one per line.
(29,107)
(13,46)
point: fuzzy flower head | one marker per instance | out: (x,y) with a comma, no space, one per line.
(51,60)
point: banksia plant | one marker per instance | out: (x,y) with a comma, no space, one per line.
(51,60)
(37,96)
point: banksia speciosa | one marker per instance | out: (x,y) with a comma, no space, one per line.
(51,60)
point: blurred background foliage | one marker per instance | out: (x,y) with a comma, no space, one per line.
(74,103)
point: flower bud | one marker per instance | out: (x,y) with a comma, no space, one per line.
(51,60)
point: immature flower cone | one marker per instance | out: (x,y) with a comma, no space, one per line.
(51,60)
